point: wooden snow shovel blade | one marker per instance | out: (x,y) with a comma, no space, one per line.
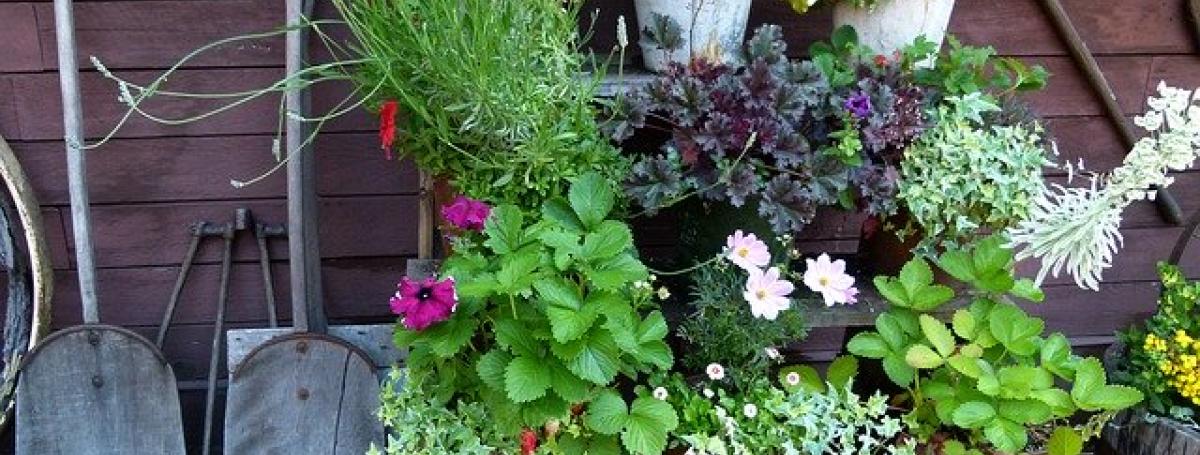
(303,393)
(96,389)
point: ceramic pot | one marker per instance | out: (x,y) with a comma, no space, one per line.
(894,24)
(708,26)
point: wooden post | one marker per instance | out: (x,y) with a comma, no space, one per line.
(308,312)
(81,220)
(1167,206)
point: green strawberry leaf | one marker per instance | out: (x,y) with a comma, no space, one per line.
(647,426)
(592,198)
(526,379)
(607,414)
(491,368)
(868,345)
(958,264)
(567,324)
(1065,441)
(1026,289)
(1008,436)
(557,291)
(607,240)
(842,370)
(1014,329)
(558,210)
(915,275)
(938,335)
(898,370)
(503,229)
(974,414)
(921,357)
(616,273)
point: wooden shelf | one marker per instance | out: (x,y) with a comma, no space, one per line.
(862,314)
(634,77)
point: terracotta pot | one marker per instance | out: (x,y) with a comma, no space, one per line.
(882,251)
(894,24)
(443,194)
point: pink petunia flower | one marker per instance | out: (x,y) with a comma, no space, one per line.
(747,251)
(424,303)
(767,294)
(829,278)
(466,213)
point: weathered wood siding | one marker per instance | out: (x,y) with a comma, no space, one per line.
(152,180)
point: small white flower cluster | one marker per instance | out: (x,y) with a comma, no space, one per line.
(1077,228)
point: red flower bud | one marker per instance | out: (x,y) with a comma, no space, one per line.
(529,442)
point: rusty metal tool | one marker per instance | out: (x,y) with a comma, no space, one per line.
(1168,207)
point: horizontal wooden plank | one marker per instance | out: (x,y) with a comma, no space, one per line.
(1068,93)
(157,234)
(56,236)
(1020,27)
(200,168)
(1092,139)
(19,43)
(354,290)
(10,128)
(1182,71)
(155,34)
(1078,312)
(39,112)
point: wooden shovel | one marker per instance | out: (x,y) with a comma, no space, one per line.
(92,389)
(306,392)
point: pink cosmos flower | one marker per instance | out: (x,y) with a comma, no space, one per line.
(829,278)
(424,303)
(767,294)
(747,251)
(466,213)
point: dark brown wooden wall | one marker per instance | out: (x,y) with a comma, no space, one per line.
(149,183)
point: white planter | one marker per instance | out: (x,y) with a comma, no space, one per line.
(894,24)
(707,24)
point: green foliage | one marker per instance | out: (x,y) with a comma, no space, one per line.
(551,321)
(989,372)
(1163,354)
(802,6)
(962,70)
(418,424)
(965,178)
(721,328)
(489,92)
(784,418)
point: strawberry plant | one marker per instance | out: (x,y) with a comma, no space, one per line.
(989,374)
(546,324)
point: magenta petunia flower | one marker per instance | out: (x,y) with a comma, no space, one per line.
(466,213)
(424,303)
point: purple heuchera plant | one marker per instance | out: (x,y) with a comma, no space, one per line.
(711,111)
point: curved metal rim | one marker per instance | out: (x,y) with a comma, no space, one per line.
(39,259)
(99,327)
(237,369)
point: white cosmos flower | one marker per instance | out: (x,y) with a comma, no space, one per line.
(747,251)
(829,278)
(767,294)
